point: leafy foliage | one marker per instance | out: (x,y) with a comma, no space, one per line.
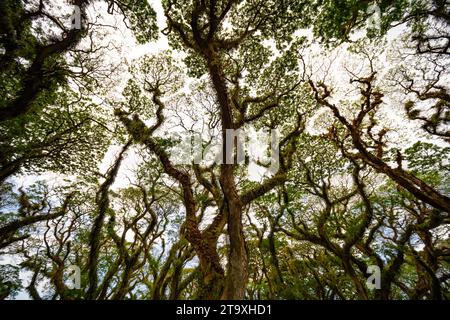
(95,189)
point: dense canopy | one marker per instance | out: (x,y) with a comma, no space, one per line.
(117,180)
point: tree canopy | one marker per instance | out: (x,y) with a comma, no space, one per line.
(117,180)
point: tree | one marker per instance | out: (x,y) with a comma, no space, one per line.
(125,174)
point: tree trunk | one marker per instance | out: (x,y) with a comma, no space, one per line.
(237,273)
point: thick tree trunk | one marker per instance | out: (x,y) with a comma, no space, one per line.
(237,273)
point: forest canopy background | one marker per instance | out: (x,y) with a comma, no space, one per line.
(90,115)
